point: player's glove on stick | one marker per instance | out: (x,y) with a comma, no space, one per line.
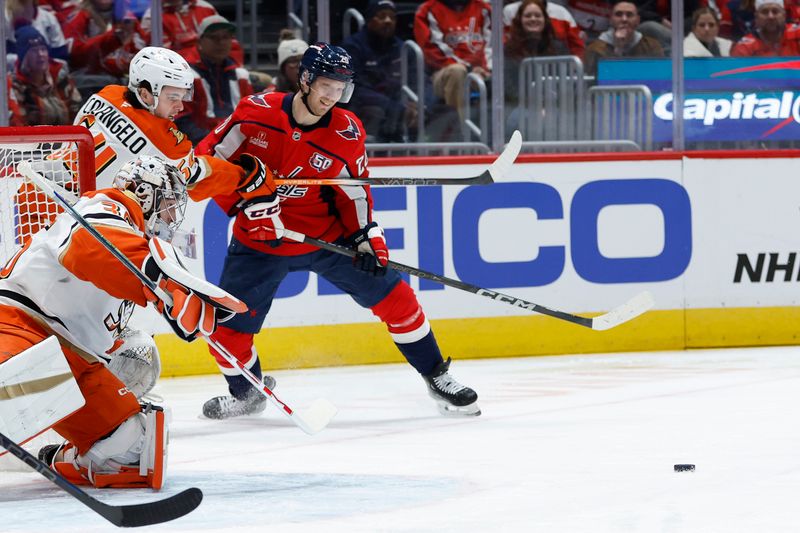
(260,202)
(196,306)
(373,255)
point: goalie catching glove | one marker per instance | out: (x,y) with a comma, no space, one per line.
(191,305)
(260,202)
(373,255)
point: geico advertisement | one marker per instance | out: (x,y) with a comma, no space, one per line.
(579,237)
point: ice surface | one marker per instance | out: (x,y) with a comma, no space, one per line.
(565,444)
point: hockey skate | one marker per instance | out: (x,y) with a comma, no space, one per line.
(223,407)
(452,398)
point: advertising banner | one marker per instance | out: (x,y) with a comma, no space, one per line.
(726,99)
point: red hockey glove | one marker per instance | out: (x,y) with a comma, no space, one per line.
(262,220)
(373,255)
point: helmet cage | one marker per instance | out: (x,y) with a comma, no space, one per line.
(159,189)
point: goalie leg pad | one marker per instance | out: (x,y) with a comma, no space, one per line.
(134,455)
(136,361)
(37,388)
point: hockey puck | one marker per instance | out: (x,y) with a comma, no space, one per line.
(684,468)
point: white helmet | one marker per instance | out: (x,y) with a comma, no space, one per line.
(159,67)
(159,189)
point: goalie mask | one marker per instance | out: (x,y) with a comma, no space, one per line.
(159,189)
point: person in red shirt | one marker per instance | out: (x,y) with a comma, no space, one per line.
(181,21)
(305,134)
(455,38)
(219,83)
(40,89)
(772,35)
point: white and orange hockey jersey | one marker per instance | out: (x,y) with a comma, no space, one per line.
(66,280)
(123,132)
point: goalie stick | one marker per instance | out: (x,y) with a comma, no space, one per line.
(493,173)
(311,420)
(134,515)
(619,315)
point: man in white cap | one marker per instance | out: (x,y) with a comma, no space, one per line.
(772,35)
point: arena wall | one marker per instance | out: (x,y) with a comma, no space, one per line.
(714,236)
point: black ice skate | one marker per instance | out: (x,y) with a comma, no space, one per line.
(222,407)
(452,398)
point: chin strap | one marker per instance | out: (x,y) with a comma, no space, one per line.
(304,98)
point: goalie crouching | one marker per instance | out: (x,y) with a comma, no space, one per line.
(64,304)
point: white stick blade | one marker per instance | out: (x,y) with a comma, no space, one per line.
(503,163)
(315,417)
(625,312)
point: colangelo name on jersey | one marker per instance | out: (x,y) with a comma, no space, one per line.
(116,123)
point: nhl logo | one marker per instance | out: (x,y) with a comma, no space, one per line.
(296,136)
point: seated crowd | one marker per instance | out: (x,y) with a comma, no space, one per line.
(60,51)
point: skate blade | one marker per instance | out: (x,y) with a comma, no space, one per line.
(447,409)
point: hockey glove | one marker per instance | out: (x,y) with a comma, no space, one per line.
(191,306)
(262,220)
(258,180)
(373,255)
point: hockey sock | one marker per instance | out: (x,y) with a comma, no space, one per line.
(424,354)
(238,385)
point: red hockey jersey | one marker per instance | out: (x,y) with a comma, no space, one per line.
(447,36)
(263,125)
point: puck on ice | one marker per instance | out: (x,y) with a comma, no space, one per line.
(684,468)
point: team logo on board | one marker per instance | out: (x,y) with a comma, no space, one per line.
(319,162)
(351,132)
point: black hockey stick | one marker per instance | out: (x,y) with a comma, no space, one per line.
(494,172)
(136,515)
(623,313)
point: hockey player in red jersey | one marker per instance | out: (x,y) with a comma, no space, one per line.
(64,283)
(304,134)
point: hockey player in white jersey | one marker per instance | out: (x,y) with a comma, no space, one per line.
(64,283)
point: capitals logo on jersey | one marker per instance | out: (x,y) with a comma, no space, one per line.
(319,162)
(258,99)
(351,133)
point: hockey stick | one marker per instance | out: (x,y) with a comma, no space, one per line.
(619,315)
(311,420)
(494,172)
(136,515)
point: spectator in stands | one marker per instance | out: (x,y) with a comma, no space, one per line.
(455,38)
(219,83)
(375,52)
(290,52)
(564,27)
(531,35)
(25,12)
(704,40)
(40,89)
(102,42)
(622,40)
(737,18)
(772,35)
(181,20)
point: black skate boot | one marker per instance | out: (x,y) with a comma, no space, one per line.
(50,453)
(253,403)
(452,398)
